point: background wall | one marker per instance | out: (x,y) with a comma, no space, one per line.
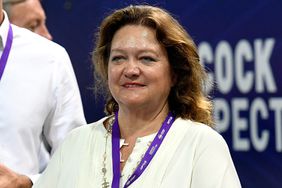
(240,43)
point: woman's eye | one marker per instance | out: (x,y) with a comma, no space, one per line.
(117,59)
(147,59)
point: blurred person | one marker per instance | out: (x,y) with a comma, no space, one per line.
(39,103)
(28,14)
(158,132)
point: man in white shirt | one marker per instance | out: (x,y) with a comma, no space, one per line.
(39,102)
(28,14)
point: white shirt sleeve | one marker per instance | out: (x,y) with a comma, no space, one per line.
(213,166)
(67,112)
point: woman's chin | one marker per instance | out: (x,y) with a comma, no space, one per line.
(132,103)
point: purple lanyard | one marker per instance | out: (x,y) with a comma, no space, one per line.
(147,157)
(6,51)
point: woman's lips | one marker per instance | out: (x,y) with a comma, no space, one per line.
(132,85)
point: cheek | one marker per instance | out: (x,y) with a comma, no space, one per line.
(113,75)
(165,75)
(111,83)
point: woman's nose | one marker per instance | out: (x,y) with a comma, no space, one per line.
(132,69)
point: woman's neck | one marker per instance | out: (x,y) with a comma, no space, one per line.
(141,123)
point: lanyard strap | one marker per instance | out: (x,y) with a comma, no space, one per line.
(151,151)
(6,51)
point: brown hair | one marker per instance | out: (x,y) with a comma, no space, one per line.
(186,98)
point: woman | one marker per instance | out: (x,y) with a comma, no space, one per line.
(157,133)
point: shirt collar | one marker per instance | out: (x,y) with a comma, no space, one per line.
(4,28)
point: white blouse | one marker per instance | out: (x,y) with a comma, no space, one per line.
(192,155)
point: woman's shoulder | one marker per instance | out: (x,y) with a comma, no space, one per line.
(193,125)
(200,132)
(87,130)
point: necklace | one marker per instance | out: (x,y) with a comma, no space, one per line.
(106,183)
(148,156)
(150,153)
(139,161)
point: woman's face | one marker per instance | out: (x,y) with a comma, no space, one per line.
(139,72)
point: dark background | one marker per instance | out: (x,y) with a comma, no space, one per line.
(73,24)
